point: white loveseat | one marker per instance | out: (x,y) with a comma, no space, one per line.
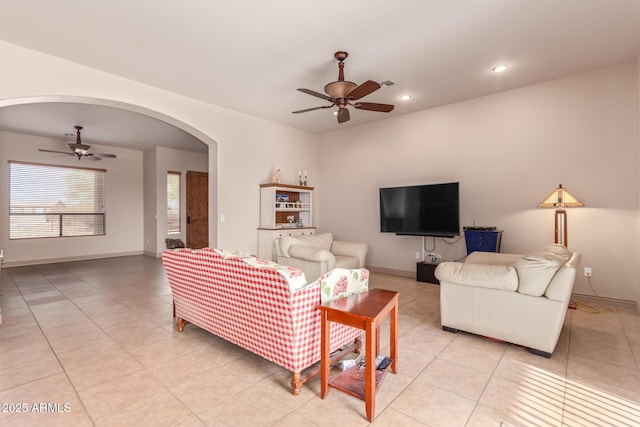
(318,254)
(521,299)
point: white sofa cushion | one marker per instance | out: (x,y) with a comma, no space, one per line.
(503,277)
(319,241)
(537,268)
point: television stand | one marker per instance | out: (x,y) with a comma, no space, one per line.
(425,272)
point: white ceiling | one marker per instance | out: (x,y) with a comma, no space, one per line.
(251,56)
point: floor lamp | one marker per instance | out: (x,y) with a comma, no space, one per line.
(560,199)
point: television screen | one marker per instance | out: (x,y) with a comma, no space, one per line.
(422,210)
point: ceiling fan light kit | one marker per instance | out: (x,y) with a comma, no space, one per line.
(342,93)
(80,150)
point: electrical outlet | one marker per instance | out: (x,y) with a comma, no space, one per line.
(587,272)
(418,256)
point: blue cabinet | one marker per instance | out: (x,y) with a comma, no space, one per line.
(482,239)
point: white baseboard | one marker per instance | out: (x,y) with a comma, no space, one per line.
(621,303)
(391,272)
(68,259)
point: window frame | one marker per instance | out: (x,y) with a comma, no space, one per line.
(177,228)
(65,224)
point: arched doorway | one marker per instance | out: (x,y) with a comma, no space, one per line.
(20,115)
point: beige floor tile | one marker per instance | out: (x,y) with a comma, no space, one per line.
(392,418)
(535,402)
(518,365)
(47,389)
(132,366)
(294,420)
(458,379)
(585,405)
(210,388)
(66,411)
(192,421)
(97,363)
(433,406)
(335,409)
(79,340)
(485,416)
(137,399)
(474,352)
(28,372)
(612,378)
(245,408)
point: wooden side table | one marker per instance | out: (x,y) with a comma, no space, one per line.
(364,311)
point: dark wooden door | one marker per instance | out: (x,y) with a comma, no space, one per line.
(197,209)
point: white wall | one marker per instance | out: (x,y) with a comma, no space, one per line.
(508,151)
(123,187)
(638,194)
(243,150)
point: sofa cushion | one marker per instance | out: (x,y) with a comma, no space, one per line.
(537,268)
(319,241)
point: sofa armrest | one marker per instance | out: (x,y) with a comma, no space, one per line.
(356,250)
(501,277)
(342,282)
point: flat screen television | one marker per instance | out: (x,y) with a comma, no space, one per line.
(421,210)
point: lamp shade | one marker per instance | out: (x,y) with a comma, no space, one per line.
(561,198)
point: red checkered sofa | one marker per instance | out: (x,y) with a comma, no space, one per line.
(261,306)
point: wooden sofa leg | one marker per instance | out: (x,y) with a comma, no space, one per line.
(181,323)
(296,383)
(358,344)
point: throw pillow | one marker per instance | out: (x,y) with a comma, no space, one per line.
(536,269)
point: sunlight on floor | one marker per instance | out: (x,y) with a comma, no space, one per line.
(540,397)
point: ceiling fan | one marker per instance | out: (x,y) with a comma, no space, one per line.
(343,93)
(80,150)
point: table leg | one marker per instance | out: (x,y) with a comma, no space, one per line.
(324,355)
(370,371)
(393,321)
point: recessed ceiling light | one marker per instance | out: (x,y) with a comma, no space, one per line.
(499,68)
(335,113)
(405,97)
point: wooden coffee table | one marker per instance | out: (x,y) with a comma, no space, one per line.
(364,311)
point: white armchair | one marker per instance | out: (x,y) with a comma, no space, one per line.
(521,299)
(316,255)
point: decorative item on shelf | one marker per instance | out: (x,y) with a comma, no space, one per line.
(275,178)
(299,223)
(560,199)
(291,220)
(282,200)
(301,181)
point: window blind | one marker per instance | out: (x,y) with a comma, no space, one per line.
(173,202)
(55,201)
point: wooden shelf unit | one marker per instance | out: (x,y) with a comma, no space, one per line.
(278,202)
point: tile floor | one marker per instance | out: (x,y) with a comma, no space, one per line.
(92,343)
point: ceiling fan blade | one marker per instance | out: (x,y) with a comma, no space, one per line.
(112,156)
(58,152)
(363,90)
(312,109)
(92,157)
(343,115)
(316,94)
(372,106)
